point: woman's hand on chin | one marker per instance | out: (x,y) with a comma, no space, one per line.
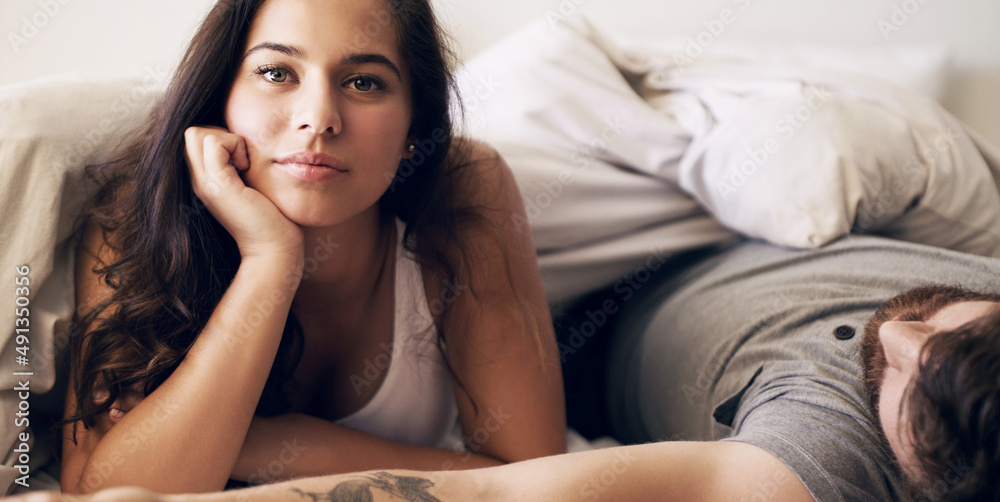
(216,157)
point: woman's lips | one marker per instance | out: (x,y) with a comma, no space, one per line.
(309,172)
(309,166)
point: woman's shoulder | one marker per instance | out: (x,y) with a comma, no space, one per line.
(491,223)
(486,180)
(485,209)
(473,149)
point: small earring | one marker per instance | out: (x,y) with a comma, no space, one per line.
(412,148)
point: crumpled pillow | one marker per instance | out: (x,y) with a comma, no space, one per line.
(802,155)
(792,154)
(583,147)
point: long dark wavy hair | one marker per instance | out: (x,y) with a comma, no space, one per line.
(173,260)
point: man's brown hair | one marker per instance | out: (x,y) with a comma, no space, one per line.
(953,405)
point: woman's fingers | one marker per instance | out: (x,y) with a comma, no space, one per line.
(127,399)
(217,158)
(194,146)
(220,170)
(233,149)
(214,155)
(239,157)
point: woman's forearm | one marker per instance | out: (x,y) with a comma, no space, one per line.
(296,445)
(667,471)
(187,434)
(376,486)
(671,470)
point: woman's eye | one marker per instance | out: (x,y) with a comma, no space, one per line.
(366,84)
(273,74)
(277,75)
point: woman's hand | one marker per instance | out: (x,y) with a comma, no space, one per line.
(127,400)
(216,157)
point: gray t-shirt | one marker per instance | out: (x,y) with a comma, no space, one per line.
(761,344)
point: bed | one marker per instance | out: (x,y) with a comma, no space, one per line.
(673,150)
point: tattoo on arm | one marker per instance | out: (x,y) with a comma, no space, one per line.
(408,488)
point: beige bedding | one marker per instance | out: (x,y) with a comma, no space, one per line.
(49,130)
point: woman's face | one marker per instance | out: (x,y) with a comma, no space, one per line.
(322,98)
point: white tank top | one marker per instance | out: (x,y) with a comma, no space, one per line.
(415,403)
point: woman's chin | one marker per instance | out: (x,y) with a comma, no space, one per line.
(313,220)
(310,210)
(302,215)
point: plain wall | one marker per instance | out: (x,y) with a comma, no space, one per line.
(143,37)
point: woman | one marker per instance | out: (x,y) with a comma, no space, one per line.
(262,274)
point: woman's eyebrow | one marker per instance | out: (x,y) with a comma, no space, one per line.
(288,50)
(293,51)
(373,58)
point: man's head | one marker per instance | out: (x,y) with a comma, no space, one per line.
(932,370)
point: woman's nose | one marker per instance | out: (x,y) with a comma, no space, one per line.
(902,341)
(318,111)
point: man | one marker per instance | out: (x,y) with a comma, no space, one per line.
(763,345)
(944,388)
(746,367)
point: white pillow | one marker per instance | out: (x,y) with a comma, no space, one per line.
(800,153)
(581,144)
(864,156)
(49,130)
